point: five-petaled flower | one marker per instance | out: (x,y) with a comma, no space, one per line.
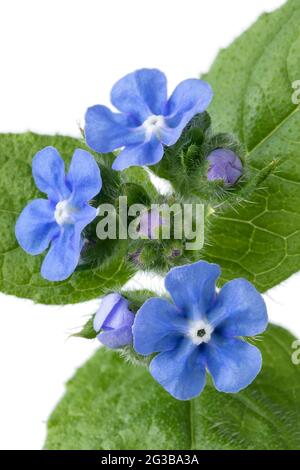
(224,165)
(147,119)
(113,321)
(59,220)
(201,330)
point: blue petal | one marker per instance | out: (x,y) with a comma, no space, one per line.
(106,131)
(84,177)
(190,97)
(120,316)
(36,227)
(193,287)
(157,327)
(233,363)
(115,339)
(170,135)
(240,310)
(141,93)
(63,256)
(84,216)
(107,304)
(181,371)
(147,153)
(48,171)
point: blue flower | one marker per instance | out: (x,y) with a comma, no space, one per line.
(201,330)
(59,220)
(224,165)
(114,321)
(148,119)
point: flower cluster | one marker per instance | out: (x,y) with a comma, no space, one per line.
(147,122)
(197,329)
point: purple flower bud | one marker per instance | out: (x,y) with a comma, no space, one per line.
(135,257)
(150,223)
(175,253)
(224,165)
(114,321)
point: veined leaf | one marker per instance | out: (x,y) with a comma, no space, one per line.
(253,87)
(110,404)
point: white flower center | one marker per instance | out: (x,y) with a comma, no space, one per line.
(200,332)
(64,212)
(153,125)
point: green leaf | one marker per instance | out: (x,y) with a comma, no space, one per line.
(252,82)
(19,272)
(110,404)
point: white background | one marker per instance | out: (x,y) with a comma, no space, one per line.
(57,58)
